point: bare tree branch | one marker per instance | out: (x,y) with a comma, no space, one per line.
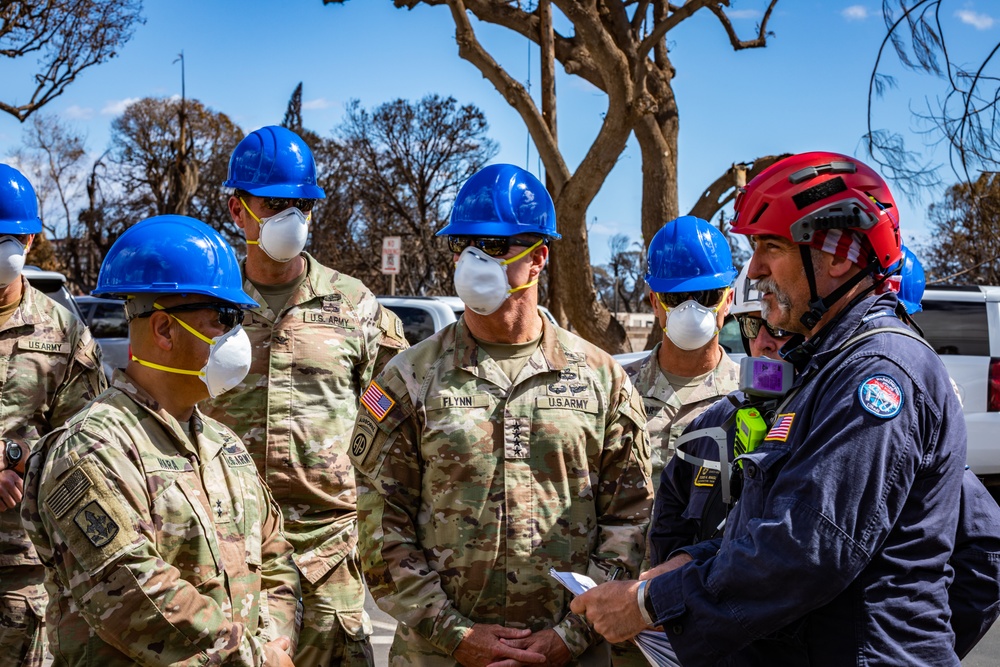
(68,36)
(738,44)
(723,190)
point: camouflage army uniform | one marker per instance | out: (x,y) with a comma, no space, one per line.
(294,412)
(51,367)
(159,550)
(471,487)
(666,416)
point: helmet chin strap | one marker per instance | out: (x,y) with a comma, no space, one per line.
(818,306)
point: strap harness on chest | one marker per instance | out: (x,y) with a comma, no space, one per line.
(766,409)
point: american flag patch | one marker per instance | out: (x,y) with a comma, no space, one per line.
(377,401)
(782,425)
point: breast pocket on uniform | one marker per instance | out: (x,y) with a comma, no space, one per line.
(185,535)
(462,424)
(760,468)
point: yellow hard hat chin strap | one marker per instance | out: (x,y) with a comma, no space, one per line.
(170,369)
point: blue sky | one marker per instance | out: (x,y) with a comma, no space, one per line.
(806,91)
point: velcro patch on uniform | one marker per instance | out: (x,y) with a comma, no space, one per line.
(881,395)
(36,345)
(161,463)
(330,319)
(706,477)
(473,401)
(96,524)
(567,403)
(391,325)
(236,456)
(369,442)
(365,429)
(64,496)
(377,401)
(781,428)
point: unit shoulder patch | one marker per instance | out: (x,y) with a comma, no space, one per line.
(96,524)
(881,395)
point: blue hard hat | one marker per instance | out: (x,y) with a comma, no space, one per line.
(18,204)
(689,255)
(274,162)
(172,254)
(911,282)
(502,200)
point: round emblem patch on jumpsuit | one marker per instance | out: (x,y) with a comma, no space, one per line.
(881,395)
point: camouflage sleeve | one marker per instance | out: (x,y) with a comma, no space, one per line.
(279,586)
(624,502)
(84,380)
(386,460)
(384,337)
(95,514)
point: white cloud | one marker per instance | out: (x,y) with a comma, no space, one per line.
(975,19)
(855,13)
(117,107)
(744,14)
(76,112)
(319,103)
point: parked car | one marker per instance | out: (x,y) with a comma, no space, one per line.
(53,284)
(962,324)
(424,315)
(106,319)
(421,315)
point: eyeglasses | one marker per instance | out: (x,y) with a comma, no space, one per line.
(229,315)
(497,246)
(281,203)
(750,326)
(708,298)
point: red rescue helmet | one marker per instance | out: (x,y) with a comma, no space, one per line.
(805,197)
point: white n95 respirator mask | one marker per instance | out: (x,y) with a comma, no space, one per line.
(481,281)
(692,325)
(229,358)
(283,235)
(12,255)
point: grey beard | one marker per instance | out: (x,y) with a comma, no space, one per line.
(784,301)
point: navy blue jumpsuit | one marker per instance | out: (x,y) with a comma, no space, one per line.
(841,539)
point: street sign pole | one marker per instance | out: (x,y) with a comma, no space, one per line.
(392,255)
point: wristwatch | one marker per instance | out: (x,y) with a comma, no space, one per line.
(12,454)
(645,604)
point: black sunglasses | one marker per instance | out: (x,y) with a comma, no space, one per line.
(750,326)
(277,204)
(494,246)
(709,298)
(229,315)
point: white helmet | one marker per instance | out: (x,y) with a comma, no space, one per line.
(745,298)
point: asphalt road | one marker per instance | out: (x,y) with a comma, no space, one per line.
(987,654)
